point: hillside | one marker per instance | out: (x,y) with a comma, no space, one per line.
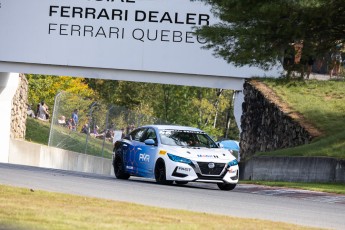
(38,131)
(318,105)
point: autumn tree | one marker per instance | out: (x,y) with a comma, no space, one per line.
(45,87)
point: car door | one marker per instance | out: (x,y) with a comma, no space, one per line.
(132,151)
(147,154)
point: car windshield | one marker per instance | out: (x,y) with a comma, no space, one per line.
(186,138)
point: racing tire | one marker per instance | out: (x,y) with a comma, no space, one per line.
(181,182)
(226,187)
(160,173)
(118,168)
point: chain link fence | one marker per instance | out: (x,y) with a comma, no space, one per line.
(97,128)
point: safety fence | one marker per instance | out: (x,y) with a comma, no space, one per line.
(95,127)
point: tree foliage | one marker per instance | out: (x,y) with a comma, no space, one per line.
(45,88)
(193,106)
(199,107)
(260,32)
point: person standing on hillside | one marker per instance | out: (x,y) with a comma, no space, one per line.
(75,120)
(43,113)
(310,63)
(336,61)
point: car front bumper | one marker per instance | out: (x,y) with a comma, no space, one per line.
(201,172)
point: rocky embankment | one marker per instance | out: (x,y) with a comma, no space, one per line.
(19,109)
(268,123)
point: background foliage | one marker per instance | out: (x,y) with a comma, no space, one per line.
(206,108)
(45,87)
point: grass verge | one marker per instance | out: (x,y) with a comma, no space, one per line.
(22,208)
(318,187)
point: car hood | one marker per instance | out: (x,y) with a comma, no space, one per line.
(201,154)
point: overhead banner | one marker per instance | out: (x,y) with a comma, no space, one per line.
(139,35)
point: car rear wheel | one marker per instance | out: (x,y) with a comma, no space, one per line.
(226,187)
(160,173)
(181,182)
(118,167)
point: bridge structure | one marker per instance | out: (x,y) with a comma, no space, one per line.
(130,40)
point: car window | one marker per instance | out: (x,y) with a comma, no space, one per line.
(204,140)
(186,138)
(137,134)
(150,134)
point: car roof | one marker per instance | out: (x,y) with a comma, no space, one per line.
(174,127)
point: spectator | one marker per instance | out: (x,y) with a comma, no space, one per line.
(109,134)
(336,60)
(95,131)
(69,123)
(310,64)
(85,128)
(96,134)
(320,61)
(62,121)
(47,111)
(42,112)
(75,120)
(30,112)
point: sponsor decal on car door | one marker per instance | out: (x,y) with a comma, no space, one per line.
(146,160)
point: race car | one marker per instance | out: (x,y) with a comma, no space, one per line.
(177,154)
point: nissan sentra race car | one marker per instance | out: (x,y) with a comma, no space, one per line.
(174,154)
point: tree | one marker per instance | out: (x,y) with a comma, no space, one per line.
(105,88)
(45,87)
(261,33)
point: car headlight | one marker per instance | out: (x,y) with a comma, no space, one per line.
(232,163)
(179,159)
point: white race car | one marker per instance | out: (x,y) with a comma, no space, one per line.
(174,153)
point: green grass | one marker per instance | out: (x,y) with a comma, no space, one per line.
(38,131)
(319,187)
(24,209)
(322,103)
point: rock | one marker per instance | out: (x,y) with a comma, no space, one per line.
(19,107)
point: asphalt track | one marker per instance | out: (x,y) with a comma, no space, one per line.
(249,201)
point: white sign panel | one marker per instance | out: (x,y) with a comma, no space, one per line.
(139,35)
(117,135)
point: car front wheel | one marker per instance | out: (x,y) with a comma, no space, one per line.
(160,173)
(226,187)
(118,168)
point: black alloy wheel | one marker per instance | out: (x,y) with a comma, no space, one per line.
(160,173)
(226,187)
(118,166)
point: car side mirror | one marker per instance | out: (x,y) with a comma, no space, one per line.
(149,142)
(220,145)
